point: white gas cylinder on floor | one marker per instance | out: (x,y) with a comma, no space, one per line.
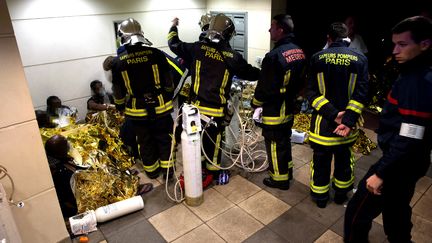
(191,155)
(120,208)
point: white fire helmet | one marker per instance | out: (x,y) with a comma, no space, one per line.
(221,28)
(129,32)
(205,21)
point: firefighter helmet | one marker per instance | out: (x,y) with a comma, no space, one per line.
(130,32)
(205,21)
(221,28)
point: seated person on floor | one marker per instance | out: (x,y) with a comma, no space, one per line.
(43,119)
(99,100)
(59,114)
(62,169)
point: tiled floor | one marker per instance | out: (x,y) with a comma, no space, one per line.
(247,211)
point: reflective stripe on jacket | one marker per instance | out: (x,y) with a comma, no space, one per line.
(282,75)
(338,81)
(212,68)
(140,74)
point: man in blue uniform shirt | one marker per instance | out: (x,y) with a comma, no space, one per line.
(405,137)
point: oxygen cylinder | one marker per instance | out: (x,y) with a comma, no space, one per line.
(119,208)
(86,222)
(191,155)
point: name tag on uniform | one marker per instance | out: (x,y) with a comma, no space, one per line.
(412,131)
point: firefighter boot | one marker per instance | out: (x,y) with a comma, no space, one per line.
(340,197)
(320,199)
(282,185)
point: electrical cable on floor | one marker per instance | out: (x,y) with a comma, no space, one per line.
(243,153)
(11,202)
(176,198)
(247,143)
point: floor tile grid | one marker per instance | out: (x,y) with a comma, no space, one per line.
(420,195)
(332,231)
(266,224)
(235,204)
(300,157)
(301,160)
(205,222)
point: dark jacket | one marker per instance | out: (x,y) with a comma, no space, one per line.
(212,69)
(405,129)
(142,73)
(98,99)
(179,71)
(338,81)
(282,76)
(61,175)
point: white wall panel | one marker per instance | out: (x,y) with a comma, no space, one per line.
(258,34)
(32,9)
(239,5)
(67,80)
(80,104)
(58,39)
(261,5)
(226,5)
(157,25)
(259,19)
(63,42)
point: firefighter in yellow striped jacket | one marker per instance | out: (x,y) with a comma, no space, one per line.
(337,90)
(143,89)
(282,76)
(213,65)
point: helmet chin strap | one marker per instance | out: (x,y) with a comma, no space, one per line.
(215,40)
(214,36)
(135,39)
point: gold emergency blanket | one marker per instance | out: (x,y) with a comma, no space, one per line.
(102,186)
(380,83)
(94,137)
(302,122)
(97,148)
(363,144)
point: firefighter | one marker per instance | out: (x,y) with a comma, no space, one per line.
(143,89)
(213,65)
(337,90)
(405,137)
(282,76)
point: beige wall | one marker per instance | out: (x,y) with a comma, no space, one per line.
(21,150)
